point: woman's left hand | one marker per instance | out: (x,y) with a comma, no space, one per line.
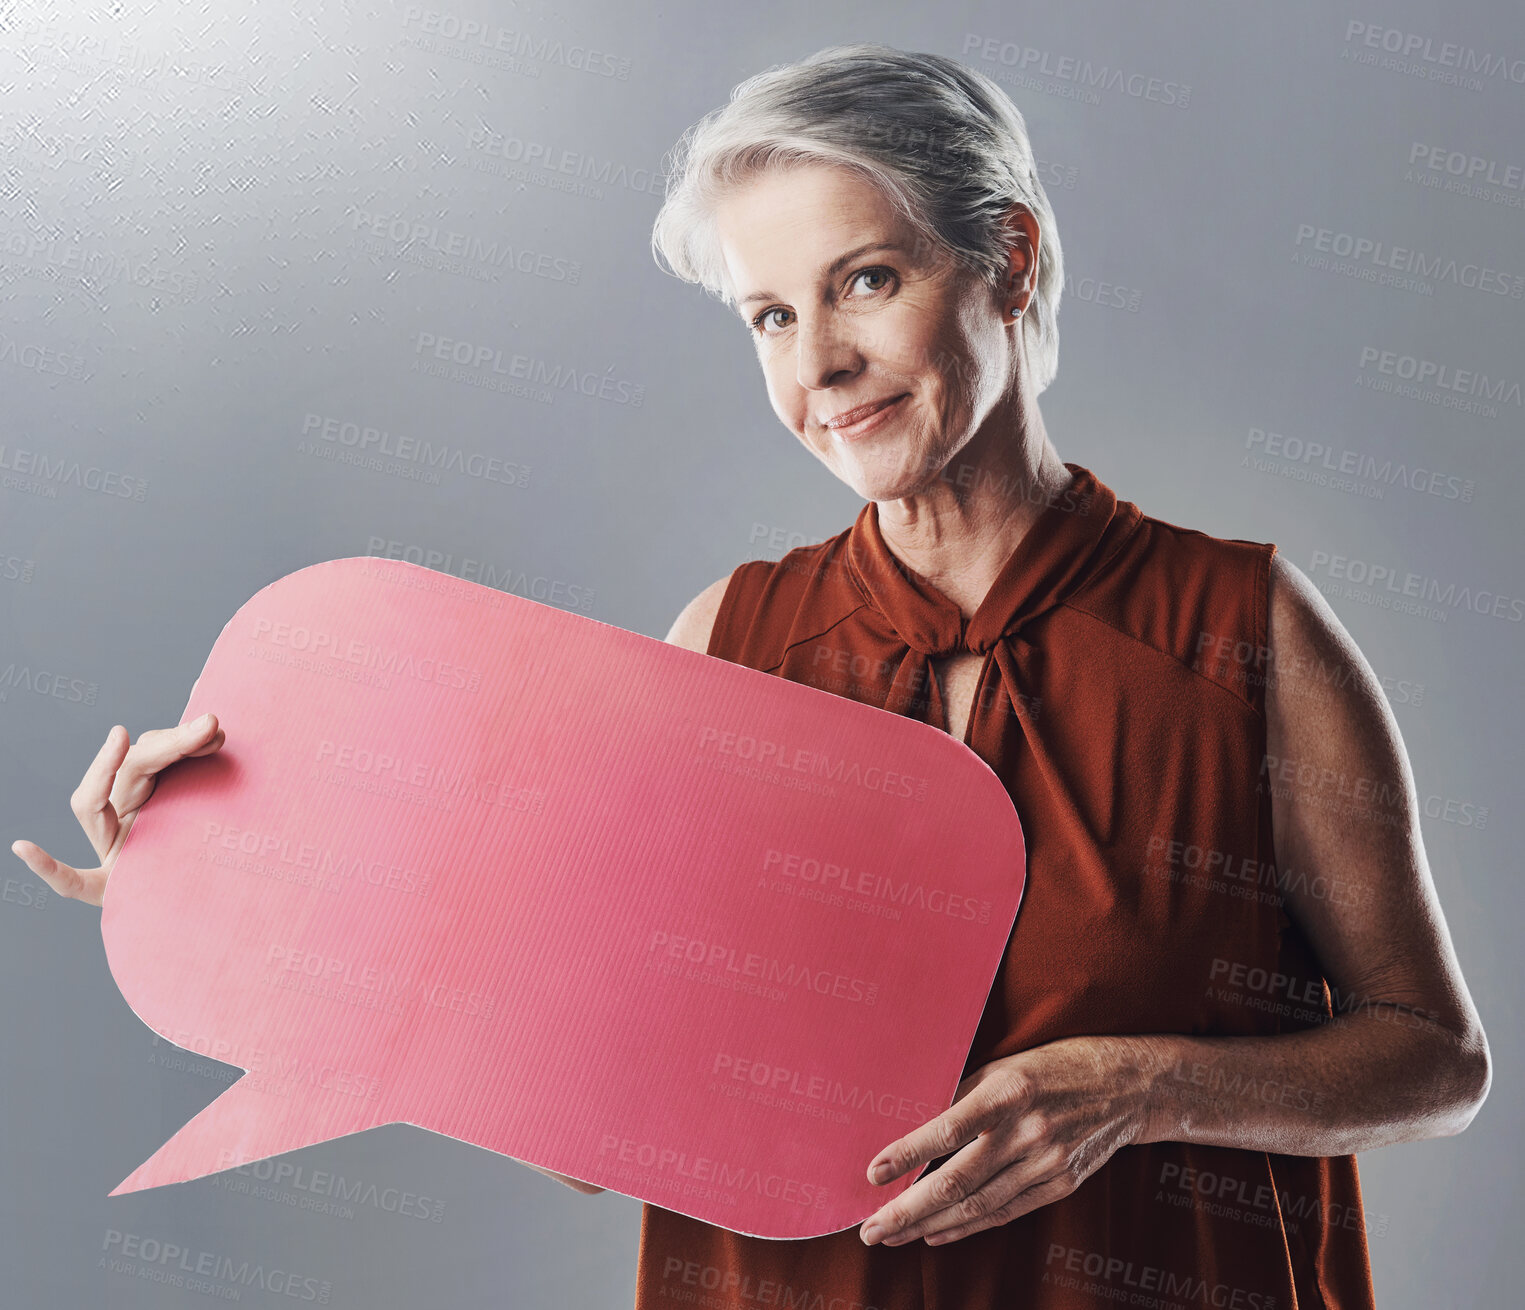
(1032,1128)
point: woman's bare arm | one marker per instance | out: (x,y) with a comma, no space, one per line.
(691,629)
(1405,1056)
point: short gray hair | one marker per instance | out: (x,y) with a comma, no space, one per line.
(943,142)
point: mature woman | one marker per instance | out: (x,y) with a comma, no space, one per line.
(1230,971)
(1164,1093)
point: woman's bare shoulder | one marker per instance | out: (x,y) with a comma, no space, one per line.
(691,629)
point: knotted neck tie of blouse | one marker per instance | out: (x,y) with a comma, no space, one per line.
(1070,539)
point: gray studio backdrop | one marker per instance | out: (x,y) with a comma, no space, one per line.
(251,255)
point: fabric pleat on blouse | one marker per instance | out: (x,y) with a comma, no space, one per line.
(1121,702)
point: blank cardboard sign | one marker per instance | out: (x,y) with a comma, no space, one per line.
(650,919)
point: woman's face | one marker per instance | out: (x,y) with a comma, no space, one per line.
(846,308)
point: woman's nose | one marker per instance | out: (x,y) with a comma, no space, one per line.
(826,350)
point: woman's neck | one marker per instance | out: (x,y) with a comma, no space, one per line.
(956,534)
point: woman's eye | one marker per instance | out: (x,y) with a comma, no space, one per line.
(757,323)
(883,273)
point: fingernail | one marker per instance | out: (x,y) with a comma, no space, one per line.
(873,1233)
(879,1173)
(204,719)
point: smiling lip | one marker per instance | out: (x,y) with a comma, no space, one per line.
(849,419)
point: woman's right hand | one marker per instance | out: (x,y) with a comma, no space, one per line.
(118,781)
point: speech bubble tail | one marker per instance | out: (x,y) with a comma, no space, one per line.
(246,1123)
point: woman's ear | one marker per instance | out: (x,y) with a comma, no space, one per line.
(1022,246)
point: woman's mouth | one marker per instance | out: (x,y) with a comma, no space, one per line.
(870,417)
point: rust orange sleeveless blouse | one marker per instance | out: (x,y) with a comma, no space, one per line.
(1121,703)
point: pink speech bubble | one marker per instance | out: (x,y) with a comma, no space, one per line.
(647,918)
